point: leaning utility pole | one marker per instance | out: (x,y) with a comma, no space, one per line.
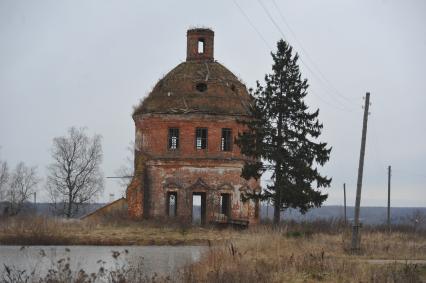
(344,201)
(356,225)
(389,188)
(267,209)
(35,201)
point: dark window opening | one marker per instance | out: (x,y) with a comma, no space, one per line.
(201,45)
(225,205)
(201,138)
(233,88)
(173,138)
(172,204)
(201,87)
(226,141)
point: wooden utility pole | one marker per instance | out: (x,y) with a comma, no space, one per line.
(389,189)
(267,209)
(355,228)
(344,201)
(35,201)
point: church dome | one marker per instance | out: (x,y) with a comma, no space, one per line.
(199,85)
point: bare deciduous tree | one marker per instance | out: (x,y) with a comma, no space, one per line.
(75,177)
(125,172)
(22,184)
(4,178)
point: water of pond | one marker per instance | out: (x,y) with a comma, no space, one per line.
(163,260)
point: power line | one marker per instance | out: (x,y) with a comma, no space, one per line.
(283,35)
(301,60)
(119,177)
(272,19)
(333,106)
(252,25)
(307,54)
(247,18)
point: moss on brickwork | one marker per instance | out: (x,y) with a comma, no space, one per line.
(197,93)
(179,91)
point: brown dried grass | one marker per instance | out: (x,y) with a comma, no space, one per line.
(275,255)
(289,253)
(58,231)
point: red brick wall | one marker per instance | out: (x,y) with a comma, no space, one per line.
(134,196)
(188,170)
(192,44)
(152,131)
(135,191)
(212,178)
(117,208)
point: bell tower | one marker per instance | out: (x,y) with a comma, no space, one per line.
(200,43)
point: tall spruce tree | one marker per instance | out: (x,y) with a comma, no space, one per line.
(283,136)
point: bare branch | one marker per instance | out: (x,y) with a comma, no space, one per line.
(127,168)
(22,185)
(75,176)
(4,178)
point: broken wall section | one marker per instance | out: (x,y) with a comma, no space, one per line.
(135,193)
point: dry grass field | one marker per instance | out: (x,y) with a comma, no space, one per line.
(269,255)
(51,231)
(290,253)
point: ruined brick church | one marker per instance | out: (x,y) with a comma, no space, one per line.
(185,154)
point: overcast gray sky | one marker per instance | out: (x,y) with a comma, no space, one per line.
(86,63)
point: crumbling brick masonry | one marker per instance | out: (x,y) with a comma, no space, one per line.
(184,144)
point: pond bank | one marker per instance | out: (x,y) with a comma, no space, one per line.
(13,240)
(148,260)
(45,231)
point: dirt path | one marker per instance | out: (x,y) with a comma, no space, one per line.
(390,261)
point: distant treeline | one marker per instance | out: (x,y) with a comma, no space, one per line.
(369,215)
(47,209)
